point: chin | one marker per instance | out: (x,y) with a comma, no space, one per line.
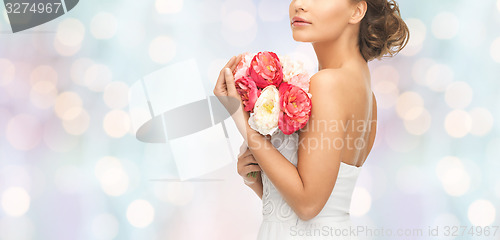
(300,37)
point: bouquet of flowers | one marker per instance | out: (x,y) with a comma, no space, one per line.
(275,90)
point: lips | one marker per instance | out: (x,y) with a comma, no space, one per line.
(299,19)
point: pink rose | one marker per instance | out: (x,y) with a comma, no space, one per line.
(294,72)
(248,91)
(295,107)
(243,66)
(300,80)
(266,69)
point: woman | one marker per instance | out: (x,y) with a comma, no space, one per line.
(306,179)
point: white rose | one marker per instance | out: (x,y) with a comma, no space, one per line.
(266,111)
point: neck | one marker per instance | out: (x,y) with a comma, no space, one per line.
(335,53)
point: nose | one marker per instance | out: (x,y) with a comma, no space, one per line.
(298,4)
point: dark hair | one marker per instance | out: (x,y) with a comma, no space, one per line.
(382,31)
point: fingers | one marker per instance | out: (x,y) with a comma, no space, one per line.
(246,153)
(253,168)
(229,77)
(230,62)
(232,67)
(246,160)
(248,169)
(230,85)
(237,60)
(220,86)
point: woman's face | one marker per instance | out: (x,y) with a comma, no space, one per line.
(328,19)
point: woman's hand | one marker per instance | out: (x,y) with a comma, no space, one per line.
(247,164)
(226,93)
(225,83)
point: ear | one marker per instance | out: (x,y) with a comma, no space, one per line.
(359,12)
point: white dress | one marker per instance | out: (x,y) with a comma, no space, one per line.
(333,222)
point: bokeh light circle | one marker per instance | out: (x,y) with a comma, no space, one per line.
(420,124)
(43,73)
(458,123)
(67,105)
(15,201)
(481,213)
(70,32)
(140,213)
(454,177)
(495,50)
(69,36)
(409,105)
(482,121)
(116,123)
(361,202)
(112,176)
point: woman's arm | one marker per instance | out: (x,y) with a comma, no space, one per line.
(307,187)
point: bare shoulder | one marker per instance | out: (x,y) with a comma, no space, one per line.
(333,76)
(343,83)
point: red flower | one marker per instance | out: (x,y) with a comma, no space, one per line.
(248,91)
(265,69)
(295,107)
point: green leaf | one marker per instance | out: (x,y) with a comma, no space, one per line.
(252,174)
